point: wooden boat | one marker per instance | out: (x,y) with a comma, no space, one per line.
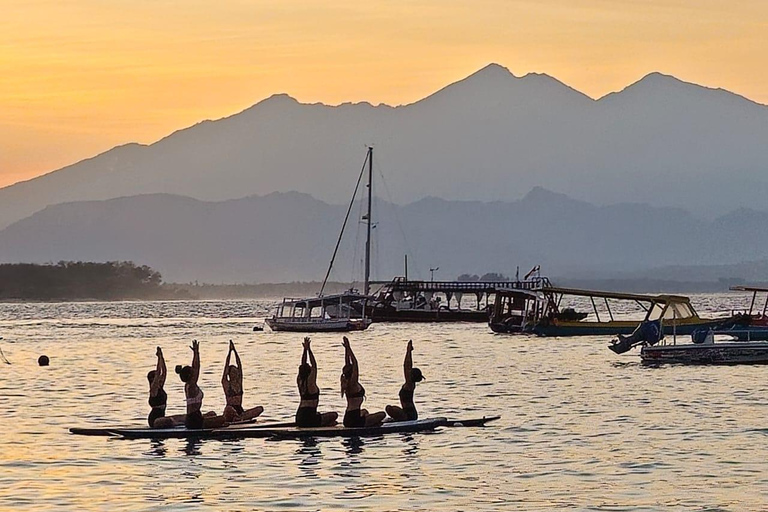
(738,352)
(328,313)
(749,325)
(678,314)
(404,300)
(705,348)
(515,311)
(336,313)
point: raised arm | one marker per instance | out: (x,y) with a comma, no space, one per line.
(408,363)
(225,374)
(160,372)
(195,362)
(311,356)
(351,359)
(237,358)
(305,353)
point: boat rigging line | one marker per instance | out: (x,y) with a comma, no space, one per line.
(346,218)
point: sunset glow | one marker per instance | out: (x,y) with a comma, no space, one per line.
(81,76)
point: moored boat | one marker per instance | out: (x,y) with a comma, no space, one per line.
(332,313)
(735,352)
(404,300)
(515,311)
(678,314)
(706,347)
(329,313)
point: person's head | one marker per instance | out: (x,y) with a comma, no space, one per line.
(416,375)
(185,372)
(43,360)
(151,376)
(346,376)
(233,372)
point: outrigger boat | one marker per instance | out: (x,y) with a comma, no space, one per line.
(334,313)
(555,320)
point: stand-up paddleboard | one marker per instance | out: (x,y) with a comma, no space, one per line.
(287,430)
(178,431)
(391,427)
(475,422)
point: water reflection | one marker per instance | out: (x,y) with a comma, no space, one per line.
(157,448)
(310,457)
(353,446)
(192,447)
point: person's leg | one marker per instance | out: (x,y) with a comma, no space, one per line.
(328,419)
(229,414)
(396,413)
(213,421)
(251,413)
(164,422)
(372,420)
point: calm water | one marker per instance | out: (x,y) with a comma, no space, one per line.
(581,428)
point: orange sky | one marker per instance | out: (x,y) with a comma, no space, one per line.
(78,77)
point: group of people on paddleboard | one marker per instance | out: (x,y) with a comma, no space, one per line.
(307,414)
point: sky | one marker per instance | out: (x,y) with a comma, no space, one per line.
(78,77)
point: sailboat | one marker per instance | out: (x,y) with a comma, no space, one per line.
(341,312)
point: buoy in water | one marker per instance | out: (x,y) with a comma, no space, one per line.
(43,360)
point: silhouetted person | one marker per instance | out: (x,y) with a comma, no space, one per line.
(232,382)
(43,360)
(355,392)
(189,375)
(306,381)
(407,409)
(158,399)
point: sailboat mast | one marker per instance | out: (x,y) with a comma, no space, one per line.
(367,287)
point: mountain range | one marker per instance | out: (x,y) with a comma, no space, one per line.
(283,237)
(489,137)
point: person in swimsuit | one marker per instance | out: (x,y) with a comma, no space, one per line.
(350,386)
(306,381)
(232,382)
(189,374)
(158,398)
(407,409)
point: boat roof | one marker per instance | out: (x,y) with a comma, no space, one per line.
(517,291)
(615,295)
(344,298)
(749,288)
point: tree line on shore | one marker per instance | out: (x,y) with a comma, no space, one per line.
(79,280)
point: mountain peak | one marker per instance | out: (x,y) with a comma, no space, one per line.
(539,193)
(492,71)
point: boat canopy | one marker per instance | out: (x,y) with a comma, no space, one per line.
(755,290)
(577,292)
(340,298)
(748,289)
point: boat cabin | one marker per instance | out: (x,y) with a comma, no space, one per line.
(515,310)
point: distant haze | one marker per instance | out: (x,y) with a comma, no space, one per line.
(492,136)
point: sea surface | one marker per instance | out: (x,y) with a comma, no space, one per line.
(581,428)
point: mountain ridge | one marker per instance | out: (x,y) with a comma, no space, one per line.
(488,136)
(290,236)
